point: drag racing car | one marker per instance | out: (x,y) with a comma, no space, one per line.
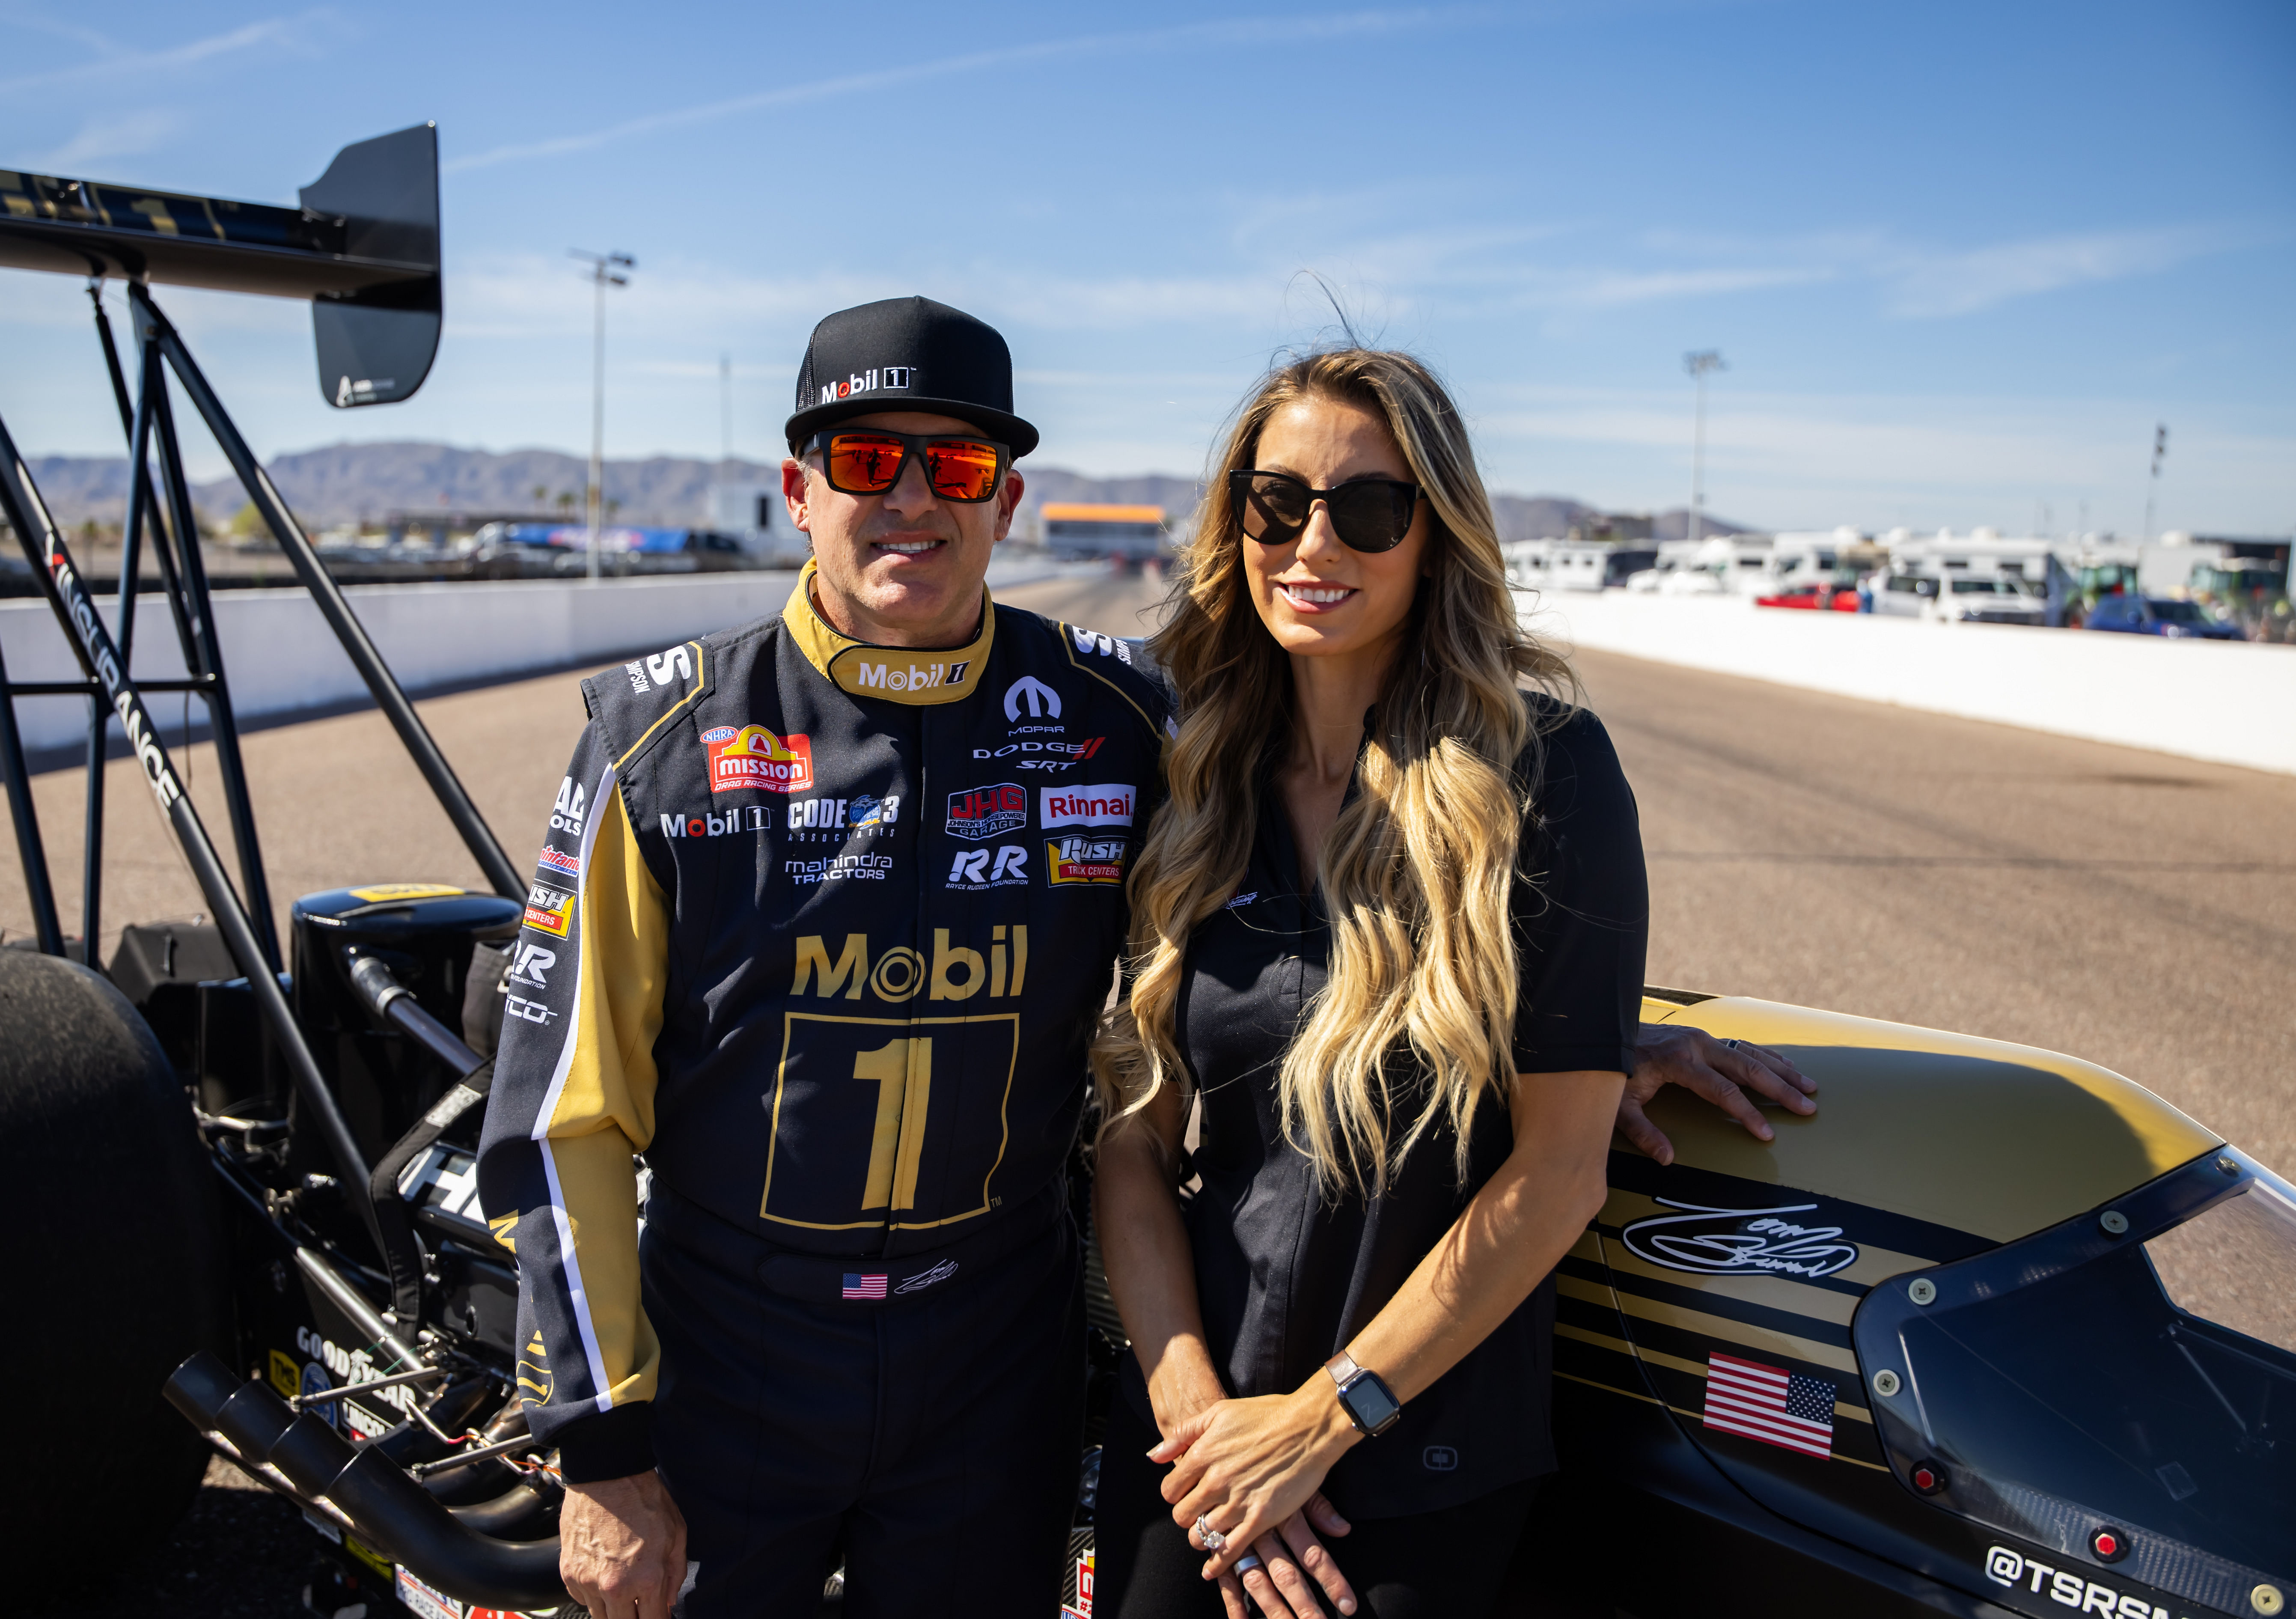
(1997,1332)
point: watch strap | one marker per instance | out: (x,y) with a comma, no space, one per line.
(1341,1367)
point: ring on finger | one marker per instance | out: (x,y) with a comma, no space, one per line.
(1213,1539)
(1246,1563)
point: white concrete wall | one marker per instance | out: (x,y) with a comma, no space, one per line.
(2232,703)
(281,658)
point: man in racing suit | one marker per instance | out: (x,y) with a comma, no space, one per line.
(826,915)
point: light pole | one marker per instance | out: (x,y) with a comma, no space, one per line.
(1697,364)
(2152,489)
(605,271)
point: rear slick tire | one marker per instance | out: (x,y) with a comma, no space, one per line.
(115,1275)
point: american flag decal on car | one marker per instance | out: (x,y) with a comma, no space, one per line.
(871,1287)
(1769,1403)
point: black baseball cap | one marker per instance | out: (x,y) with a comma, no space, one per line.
(907,354)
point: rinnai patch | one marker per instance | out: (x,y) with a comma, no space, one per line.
(751,757)
(1110,805)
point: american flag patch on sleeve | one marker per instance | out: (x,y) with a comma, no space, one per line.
(871,1287)
(1769,1403)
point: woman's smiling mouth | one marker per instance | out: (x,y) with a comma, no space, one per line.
(1313,598)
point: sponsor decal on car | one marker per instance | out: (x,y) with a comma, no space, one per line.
(2076,1590)
(349,1366)
(974,868)
(316,1381)
(359,1423)
(383,893)
(1710,1241)
(1080,860)
(979,813)
(1107,805)
(717,823)
(548,909)
(872,866)
(420,1597)
(286,1375)
(751,757)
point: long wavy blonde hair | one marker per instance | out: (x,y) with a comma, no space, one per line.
(1416,871)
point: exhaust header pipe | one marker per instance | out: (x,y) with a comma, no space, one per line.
(364,1487)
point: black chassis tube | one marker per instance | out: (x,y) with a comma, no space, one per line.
(28,515)
(31,853)
(453,797)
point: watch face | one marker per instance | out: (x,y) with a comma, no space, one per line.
(1371,1404)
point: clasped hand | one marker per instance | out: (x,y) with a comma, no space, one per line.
(1255,1469)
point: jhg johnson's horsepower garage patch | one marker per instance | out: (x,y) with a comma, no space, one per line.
(988,812)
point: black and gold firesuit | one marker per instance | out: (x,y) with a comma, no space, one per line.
(821,929)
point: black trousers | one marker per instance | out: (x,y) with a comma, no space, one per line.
(931,1438)
(1452,1563)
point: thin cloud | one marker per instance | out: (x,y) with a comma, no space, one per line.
(104,138)
(1932,287)
(1241,30)
(297,33)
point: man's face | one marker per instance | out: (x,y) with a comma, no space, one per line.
(903,568)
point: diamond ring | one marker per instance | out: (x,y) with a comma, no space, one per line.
(1214,1540)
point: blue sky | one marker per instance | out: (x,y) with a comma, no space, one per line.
(1960,258)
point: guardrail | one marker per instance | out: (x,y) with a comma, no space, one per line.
(2231,702)
(284,662)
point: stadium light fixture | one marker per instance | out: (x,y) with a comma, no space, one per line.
(606,270)
(1698,363)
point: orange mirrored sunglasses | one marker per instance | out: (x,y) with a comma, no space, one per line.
(869,461)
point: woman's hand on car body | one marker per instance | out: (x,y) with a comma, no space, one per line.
(1722,1072)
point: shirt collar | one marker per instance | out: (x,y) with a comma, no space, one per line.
(893,674)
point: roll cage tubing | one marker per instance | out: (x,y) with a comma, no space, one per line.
(363,248)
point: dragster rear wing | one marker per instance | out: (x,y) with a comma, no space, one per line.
(363,248)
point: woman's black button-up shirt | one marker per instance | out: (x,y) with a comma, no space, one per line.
(1287,1278)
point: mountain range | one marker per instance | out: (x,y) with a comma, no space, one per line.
(366,483)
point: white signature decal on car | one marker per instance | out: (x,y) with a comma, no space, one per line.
(1725,1241)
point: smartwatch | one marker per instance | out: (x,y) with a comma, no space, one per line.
(1370,1404)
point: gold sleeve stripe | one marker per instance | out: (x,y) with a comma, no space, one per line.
(600,1106)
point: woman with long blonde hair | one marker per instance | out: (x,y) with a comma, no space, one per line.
(1388,937)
